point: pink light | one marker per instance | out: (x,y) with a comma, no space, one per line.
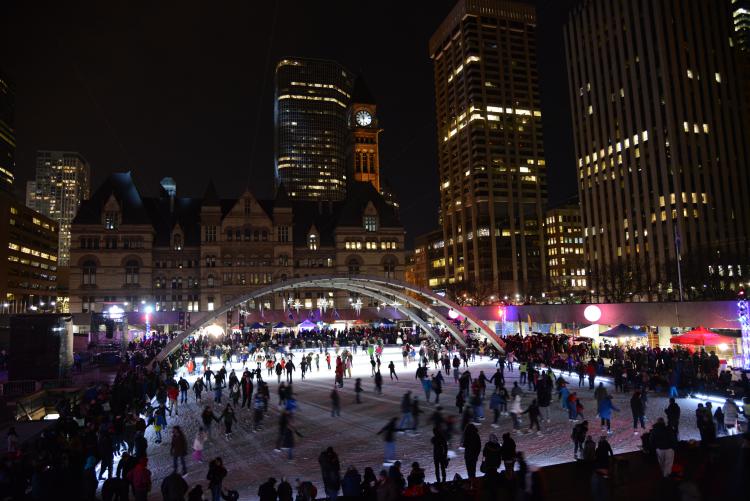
(592,313)
(500,312)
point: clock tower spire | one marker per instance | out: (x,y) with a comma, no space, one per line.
(363,123)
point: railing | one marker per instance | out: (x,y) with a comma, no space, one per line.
(27,386)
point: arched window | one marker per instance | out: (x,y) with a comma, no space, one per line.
(131,272)
(389,267)
(230,232)
(312,241)
(247,234)
(89,272)
(177,242)
(264,235)
(256,235)
(352,266)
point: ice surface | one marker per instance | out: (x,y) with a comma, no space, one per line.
(250,457)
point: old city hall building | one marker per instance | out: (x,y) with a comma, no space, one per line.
(197,254)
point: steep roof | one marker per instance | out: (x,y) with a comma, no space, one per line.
(358,196)
(210,198)
(361,93)
(121,186)
(186,213)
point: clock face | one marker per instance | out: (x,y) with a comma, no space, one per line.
(363,118)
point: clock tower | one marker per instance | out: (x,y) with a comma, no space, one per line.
(363,123)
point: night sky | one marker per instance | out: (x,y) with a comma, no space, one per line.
(185,89)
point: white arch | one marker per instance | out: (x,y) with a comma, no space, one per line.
(368,285)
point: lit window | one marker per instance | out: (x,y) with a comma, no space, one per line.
(312,241)
(370,223)
(717,76)
(690,73)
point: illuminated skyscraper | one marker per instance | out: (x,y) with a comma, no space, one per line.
(311,131)
(490,151)
(61,184)
(7,134)
(661,159)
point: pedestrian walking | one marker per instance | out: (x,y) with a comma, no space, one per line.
(215,477)
(439,454)
(178,449)
(472,445)
(392,368)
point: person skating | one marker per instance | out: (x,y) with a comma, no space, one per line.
(392,369)
(199,443)
(472,445)
(515,413)
(358,390)
(508,452)
(378,383)
(330,469)
(229,419)
(439,454)
(533,412)
(389,437)
(407,421)
(636,408)
(198,388)
(492,455)
(605,413)
(578,435)
(140,479)
(178,449)
(215,477)
(207,417)
(335,403)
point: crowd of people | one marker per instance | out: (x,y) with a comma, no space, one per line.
(109,421)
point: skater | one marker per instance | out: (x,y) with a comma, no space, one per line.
(533,412)
(184,387)
(673,416)
(392,368)
(259,406)
(605,413)
(358,390)
(178,449)
(378,383)
(472,445)
(229,418)
(389,437)
(460,402)
(439,454)
(207,417)
(406,418)
(580,430)
(515,413)
(199,444)
(636,408)
(198,388)
(215,477)
(335,403)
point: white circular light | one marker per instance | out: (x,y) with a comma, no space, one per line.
(452,314)
(592,313)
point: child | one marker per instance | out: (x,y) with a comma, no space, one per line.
(198,444)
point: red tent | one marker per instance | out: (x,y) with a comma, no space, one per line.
(701,337)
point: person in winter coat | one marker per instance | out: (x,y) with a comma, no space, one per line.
(178,449)
(389,437)
(330,469)
(492,455)
(351,484)
(664,442)
(199,444)
(267,490)
(174,487)
(731,415)
(508,452)
(229,418)
(472,445)
(439,454)
(140,479)
(589,450)
(603,453)
(515,413)
(106,454)
(636,407)
(533,412)
(578,435)
(215,477)
(284,491)
(673,416)
(605,412)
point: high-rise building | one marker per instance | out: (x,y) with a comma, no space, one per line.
(662,165)
(61,184)
(363,123)
(490,150)
(311,132)
(566,271)
(28,259)
(7,133)
(741,23)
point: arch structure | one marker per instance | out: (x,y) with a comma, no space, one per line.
(408,299)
